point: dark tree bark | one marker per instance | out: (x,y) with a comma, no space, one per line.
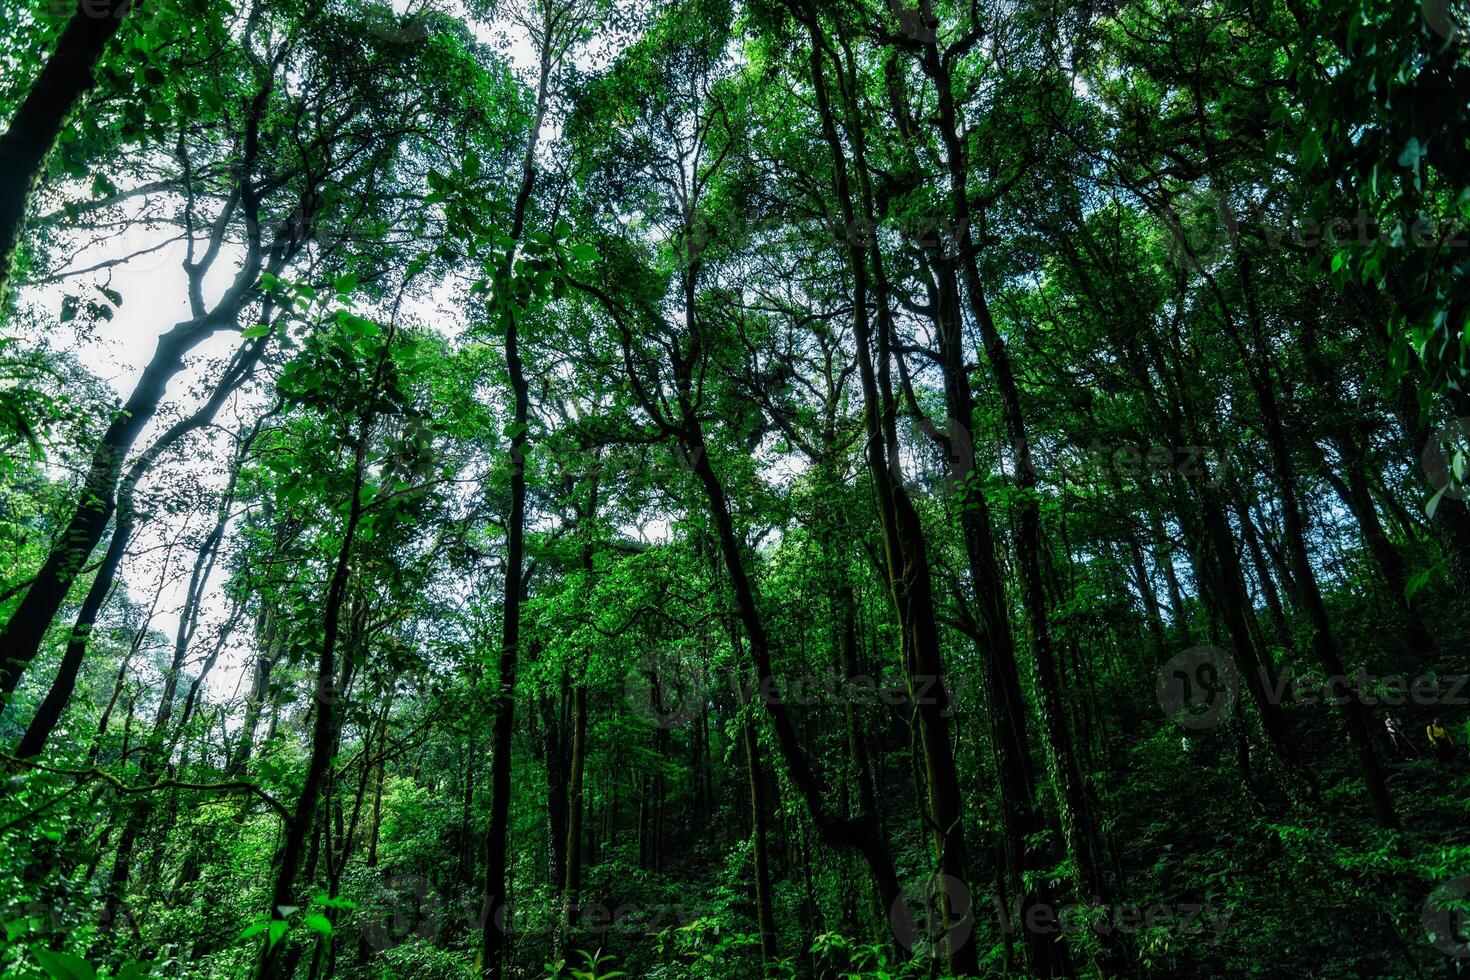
(494,911)
(273,962)
(1308,591)
(759,817)
(48,713)
(1267,582)
(906,554)
(1006,713)
(22,635)
(1079,824)
(68,75)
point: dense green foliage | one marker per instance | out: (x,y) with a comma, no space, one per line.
(791,489)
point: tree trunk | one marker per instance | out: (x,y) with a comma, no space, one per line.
(908,571)
(576,806)
(765,917)
(69,74)
(1308,591)
(325,730)
(494,912)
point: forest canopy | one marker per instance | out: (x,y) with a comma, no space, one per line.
(693,489)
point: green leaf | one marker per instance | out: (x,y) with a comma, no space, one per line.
(1433,504)
(1311,150)
(583,252)
(64,966)
(345,283)
(1411,153)
(1416,582)
(356,325)
(259,330)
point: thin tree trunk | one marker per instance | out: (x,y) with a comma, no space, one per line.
(22,635)
(68,75)
(908,569)
(325,729)
(1308,591)
(494,912)
(765,917)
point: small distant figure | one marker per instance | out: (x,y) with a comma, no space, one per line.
(1439,742)
(1398,739)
